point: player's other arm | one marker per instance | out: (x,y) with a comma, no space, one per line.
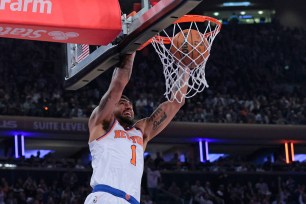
(103,113)
(163,115)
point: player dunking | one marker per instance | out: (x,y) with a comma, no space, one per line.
(117,144)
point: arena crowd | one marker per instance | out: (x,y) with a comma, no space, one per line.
(255,73)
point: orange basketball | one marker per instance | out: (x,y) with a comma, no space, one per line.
(189,48)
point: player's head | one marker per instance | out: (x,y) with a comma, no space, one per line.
(124,112)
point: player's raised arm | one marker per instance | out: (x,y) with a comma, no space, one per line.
(165,112)
(103,113)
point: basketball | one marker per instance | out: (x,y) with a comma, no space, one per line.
(189,48)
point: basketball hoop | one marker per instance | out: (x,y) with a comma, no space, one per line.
(173,61)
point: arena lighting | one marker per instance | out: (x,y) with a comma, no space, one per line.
(22,145)
(25,134)
(272,158)
(287,153)
(202,159)
(201,151)
(246,17)
(146,154)
(182,158)
(300,157)
(215,157)
(33,152)
(10,165)
(16,146)
(216,13)
(206,151)
(292,151)
(232,4)
(7,165)
(242,12)
(260,12)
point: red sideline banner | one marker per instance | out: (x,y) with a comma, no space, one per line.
(94,22)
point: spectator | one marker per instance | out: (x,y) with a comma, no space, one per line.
(240,94)
(174,189)
(158,162)
(153,179)
(2,198)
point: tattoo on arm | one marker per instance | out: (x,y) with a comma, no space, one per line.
(155,114)
(157,121)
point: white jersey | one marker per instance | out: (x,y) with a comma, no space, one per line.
(117,159)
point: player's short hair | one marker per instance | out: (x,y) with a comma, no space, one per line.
(125,97)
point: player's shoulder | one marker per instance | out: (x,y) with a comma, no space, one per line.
(97,132)
(96,119)
(93,113)
(140,124)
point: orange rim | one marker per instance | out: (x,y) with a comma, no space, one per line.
(186,19)
(200,19)
(166,41)
(196,18)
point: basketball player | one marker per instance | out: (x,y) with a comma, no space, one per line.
(117,144)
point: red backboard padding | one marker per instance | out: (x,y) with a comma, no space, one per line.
(96,22)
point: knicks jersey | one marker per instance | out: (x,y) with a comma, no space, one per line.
(117,159)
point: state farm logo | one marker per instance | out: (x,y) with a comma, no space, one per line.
(34,6)
(36,34)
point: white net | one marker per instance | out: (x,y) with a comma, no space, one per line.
(188,58)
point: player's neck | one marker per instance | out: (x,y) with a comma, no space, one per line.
(126,124)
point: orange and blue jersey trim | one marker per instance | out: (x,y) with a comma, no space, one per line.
(107,133)
(129,129)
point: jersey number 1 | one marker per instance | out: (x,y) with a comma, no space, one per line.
(133,160)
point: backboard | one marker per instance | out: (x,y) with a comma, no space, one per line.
(83,66)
